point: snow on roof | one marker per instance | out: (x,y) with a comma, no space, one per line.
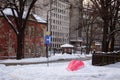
(8,11)
(67,45)
(39,19)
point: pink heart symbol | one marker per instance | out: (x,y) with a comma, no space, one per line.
(75,65)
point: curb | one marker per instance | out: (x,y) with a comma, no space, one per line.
(43,62)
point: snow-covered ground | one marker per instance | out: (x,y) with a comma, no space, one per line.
(44,59)
(58,71)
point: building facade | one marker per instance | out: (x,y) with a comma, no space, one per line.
(56,12)
(59,24)
(33,39)
(76,23)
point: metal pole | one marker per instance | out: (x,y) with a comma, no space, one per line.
(47,55)
(50,24)
(47,45)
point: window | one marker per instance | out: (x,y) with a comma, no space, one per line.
(41,33)
(32,31)
(26,48)
(37,32)
(27,30)
(32,48)
(37,49)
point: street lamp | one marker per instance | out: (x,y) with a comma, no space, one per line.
(48,37)
(48,16)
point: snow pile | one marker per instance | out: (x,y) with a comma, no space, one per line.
(44,59)
(58,71)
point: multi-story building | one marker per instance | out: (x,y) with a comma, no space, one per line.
(76,22)
(57,14)
(59,24)
(64,19)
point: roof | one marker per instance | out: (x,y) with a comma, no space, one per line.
(39,19)
(8,12)
(67,45)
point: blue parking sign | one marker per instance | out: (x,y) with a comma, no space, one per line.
(47,40)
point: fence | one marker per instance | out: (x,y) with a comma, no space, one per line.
(105,58)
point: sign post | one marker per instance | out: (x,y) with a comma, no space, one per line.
(47,42)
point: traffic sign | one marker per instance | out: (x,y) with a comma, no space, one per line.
(47,40)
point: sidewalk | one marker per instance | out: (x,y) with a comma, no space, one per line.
(41,60)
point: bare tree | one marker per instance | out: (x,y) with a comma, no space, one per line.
(109,12)
(90,21)
(17,8)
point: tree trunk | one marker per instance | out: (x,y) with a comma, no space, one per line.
(112,42)
(105,41)
(19,46)
(112,36)
(87,40)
